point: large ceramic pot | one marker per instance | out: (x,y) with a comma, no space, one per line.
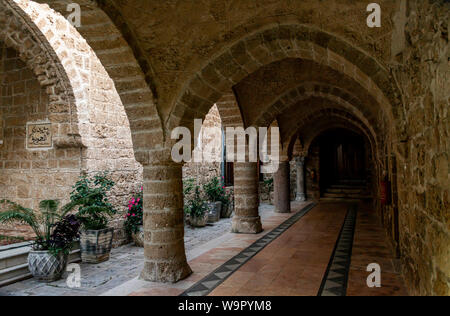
(46,267)
(215,210)
(199,221)
(96,245)
(138,237)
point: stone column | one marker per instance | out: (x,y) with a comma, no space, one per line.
(246,194)
(282,188)
(165,257)
(301,193)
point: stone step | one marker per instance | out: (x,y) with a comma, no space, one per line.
(344,186)
(324,199)
(352,181)
(14,274)
(11,257)
(347,191)
(346,196)
(14,262)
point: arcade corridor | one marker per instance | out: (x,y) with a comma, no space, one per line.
(354,95)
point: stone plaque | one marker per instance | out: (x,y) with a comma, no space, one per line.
(39,135)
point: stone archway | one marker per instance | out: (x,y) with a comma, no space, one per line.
(281,42)
(344,166)
(118,55)
(20,34)
(162,178)
(90,129)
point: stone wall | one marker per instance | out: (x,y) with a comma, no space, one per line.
(30,170)
(421,64)
(33,168)
(211,141)
(312,165)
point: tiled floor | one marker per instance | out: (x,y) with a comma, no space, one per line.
(212,256)
(295,263)
(370,246)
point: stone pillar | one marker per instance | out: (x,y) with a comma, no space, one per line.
(301,193)
(165,257)
(246,194)
(282,188)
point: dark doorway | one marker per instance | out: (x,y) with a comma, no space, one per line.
(342,159)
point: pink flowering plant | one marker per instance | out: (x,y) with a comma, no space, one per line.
(135,213)
(215,191)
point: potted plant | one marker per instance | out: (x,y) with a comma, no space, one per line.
(197,209)
(94,214)
(215,192)
(268,184)
(134,219)
(55,230)
(227,206)
(188,189)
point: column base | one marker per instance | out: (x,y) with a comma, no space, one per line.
(279,211)
(165,272)
(301,198)
(246,225)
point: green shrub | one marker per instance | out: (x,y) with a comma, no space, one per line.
(268,183)
(215,190)
(196,206)
(95,210)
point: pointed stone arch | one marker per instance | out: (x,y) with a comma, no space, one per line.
(324,119)
(18,32)
(130,78)
(279,42)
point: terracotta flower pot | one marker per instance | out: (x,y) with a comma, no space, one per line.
(138,237)
(46,267)
(96,245)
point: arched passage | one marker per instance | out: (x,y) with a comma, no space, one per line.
(280,58)
(341,158)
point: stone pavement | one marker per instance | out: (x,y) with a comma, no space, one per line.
(125,264)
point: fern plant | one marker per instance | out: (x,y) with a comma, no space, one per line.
(95,210)
(55,230)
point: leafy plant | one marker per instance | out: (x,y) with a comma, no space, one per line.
(55,230)
(64,233)
(188,186)
(215,190)
(196,206)
(268,183)
(95,210)
(135,216)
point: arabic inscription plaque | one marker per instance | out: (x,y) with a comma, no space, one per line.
(39,135)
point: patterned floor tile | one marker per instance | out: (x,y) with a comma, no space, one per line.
(208,284)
